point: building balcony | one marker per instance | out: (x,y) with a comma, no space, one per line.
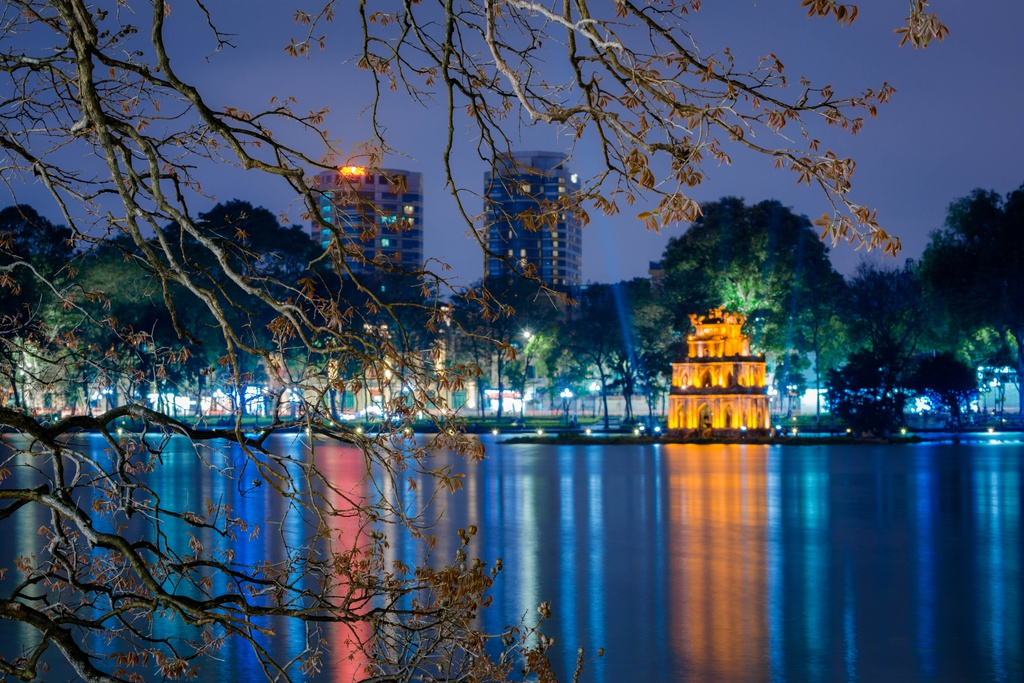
(717,391)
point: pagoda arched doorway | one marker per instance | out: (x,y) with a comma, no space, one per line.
(705,419)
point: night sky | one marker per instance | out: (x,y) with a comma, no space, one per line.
(953,125)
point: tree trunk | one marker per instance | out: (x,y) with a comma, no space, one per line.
(501,386)
(604,401)
(15,394)
(1018,336)
(481,408)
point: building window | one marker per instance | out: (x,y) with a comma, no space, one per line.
(408,209)
(327,208)
(385,242)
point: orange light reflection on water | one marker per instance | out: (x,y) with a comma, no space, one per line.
(717,545)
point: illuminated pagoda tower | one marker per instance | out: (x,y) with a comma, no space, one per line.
(381,213)
(720,385)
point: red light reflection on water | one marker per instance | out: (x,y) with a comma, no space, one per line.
(345,469)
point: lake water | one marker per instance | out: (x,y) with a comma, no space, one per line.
(736,563)
(763,563)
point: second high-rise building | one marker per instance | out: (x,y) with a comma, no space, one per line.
(526,226)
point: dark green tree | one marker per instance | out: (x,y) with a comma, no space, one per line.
(886,319)
(34,265)
(975,266)
(886,311)
(948,382)
(654,340)
(592,336)
(762,261)
(789,379)
(865,394)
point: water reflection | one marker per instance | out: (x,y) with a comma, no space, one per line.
(923,516)
(997,515)
(718,574)
(760,563)
(344,468)
(701,563)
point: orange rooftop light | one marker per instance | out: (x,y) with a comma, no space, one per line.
(352,170)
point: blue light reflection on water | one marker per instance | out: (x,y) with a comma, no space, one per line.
(924,500)
(567,557)
(596,584)
(774,567)
(997,510)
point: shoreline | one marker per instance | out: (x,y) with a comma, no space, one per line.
(910,438)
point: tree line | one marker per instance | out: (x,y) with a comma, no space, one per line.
(874,340)
(868,343)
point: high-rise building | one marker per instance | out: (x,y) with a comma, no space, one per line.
(526,224)
(380,212)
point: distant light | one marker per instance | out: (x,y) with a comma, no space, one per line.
(991,429)
(636,432)
(540,432)
(795,430)
(494,432)
(573,178)
(778,427)
(657,430)
(359,430)
(903,431)
(849,431)
(352,171)
(566,393)
(587,431)
(743,428)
